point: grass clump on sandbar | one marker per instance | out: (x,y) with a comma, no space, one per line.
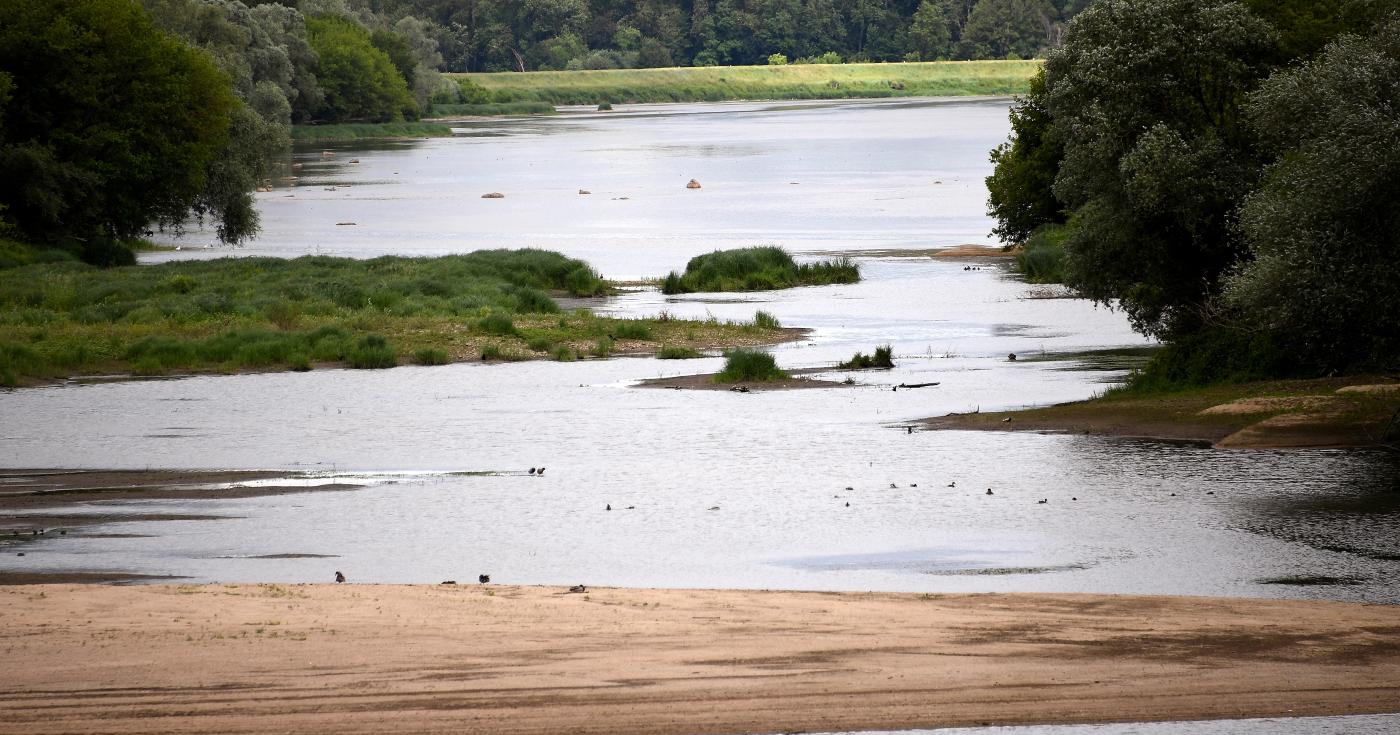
(764,268)
(69,319)
(883,358)
(741,365)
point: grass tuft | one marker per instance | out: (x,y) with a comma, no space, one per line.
(883,358)
(674,352)
(749,366)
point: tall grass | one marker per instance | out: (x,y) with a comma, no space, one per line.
(357,131)
(718,83)
(756,269)
(883,358)
(749,366)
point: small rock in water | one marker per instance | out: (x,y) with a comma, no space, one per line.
(493,195)
(693,184)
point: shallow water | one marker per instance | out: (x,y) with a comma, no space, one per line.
(709,489)
(1356,725)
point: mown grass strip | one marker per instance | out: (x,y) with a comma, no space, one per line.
(805,81)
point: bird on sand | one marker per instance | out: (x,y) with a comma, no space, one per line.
(578,588)
(483,578)
(339,577)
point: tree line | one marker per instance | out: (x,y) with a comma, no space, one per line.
(1226,173)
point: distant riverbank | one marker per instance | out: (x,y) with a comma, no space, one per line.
(791,82)
(1333,412)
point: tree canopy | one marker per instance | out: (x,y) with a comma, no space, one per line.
(1224,171)
(110,124)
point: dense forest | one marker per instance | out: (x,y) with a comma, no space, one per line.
(1224,172)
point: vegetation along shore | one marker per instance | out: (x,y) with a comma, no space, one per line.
(68,319)
(790,82)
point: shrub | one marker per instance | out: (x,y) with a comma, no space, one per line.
(565,353)
(540,344)
(372,352)
(777,60)
(749,365)
(1041,260)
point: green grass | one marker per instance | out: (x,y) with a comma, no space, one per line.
(493,108)
(756,269)
(741,365)
(674,352)
(1041,260)
(883,358)
(357,131)
(718,83)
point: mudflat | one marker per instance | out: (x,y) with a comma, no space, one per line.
(500,659)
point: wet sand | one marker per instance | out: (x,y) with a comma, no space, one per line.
(499,659)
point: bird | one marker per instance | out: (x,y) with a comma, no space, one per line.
(608,507)
(1043,501)
(910,429)
(339,577)
(483,578)
(893,486)
(715,507)
(578,588)
(449,581)
(1011,357)
(539,471)
(532,470)
(848,504)
(953,484)
(989,492)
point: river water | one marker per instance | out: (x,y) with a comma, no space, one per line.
(812,489)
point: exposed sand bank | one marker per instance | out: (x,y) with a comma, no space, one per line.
(1333,412)
(496,659)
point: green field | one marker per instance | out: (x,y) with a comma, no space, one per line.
(792,82)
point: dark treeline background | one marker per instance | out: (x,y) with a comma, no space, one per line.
(531,35)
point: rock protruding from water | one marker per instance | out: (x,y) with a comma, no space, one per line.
(693,184)
(493,195)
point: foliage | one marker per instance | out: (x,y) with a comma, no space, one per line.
(359,81)
(1007,29)
(111,125)
(883,358)
(1145,96)
(749,365)
(1211,356)
(756,269)
(765,320)
(1323,226)
(777,60)
(372,352)
(1042,256)
(1020,195)
(493,108)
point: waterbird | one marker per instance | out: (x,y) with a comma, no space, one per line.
(953,483)
(1011,357)
(715,507)
(532,470)
(578,588)
(449,581)
(1043,501)
(848,504)
(989,492)
(539,471)
(483,578)
(339,577)
(893,486)
(608,507)
(910,430)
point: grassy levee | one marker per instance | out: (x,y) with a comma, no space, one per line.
(764,268)
(67,319)
(359,131)
(792,82)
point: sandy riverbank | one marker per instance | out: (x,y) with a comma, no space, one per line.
(1358,411)
(499,659)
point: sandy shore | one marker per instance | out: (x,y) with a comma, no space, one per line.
(497,659)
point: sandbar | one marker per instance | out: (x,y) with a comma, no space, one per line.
(503,659)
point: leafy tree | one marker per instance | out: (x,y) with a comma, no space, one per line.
(111,124)
(930,33)
(1324,226)
(358,80)
(1146,96)
(1021,195)
(997,29)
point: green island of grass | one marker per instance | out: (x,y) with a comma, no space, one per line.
(492,109)
(756,269)
(789,82)
(882,359)
(68,319)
